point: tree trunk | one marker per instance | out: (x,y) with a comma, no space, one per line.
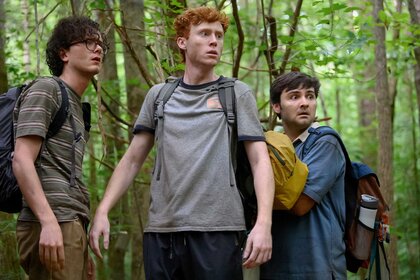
(109,92)
(367,119)
(26,47)
(133,24)
(9,263)
(414,9)
(3,70)
(385,129)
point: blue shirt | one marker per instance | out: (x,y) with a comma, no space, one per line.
(312,246)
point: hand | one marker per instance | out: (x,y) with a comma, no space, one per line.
(258,246)
(100,227)
(91,269)
(51,246)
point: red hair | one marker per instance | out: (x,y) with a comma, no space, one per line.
(195,16)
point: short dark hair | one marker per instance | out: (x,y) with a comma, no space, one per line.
(290,81)
(65,32)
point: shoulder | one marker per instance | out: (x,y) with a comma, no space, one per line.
(155,89)
(323,134)
(242,88)
(44,84)
(44,88)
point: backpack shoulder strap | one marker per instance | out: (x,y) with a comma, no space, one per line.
(62,113)
(227,98)
(163,96)
(226,93)
(316,133)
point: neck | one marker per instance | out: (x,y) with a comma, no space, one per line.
(78,83)
(293,132)
(196,76)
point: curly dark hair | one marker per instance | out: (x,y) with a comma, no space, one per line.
(290,81)
(65,32)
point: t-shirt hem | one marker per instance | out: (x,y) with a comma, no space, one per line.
(202,229)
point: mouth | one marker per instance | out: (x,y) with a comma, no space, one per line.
(97,59)
(303,114)
(213,53)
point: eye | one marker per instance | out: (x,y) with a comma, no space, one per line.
(91,44)
(311,96)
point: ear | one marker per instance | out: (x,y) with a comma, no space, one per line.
(276,108)
(63,55)
(182,43)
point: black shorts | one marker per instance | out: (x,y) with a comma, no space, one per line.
(193,255)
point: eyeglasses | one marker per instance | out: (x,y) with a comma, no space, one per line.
(91,45)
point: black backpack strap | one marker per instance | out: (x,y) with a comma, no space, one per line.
(58,122)
(316,133)
(61,115)
(163,96)
(87,115)
(227,99)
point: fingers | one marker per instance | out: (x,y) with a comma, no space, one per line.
(94,244)
(257,251)
(52,257)
(91,272)
(256,258)
(100,228)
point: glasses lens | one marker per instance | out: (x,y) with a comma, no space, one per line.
(91,45)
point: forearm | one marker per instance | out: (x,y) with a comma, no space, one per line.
(126,170)
(123,176)
(264,190)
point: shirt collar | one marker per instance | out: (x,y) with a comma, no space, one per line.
(302,137)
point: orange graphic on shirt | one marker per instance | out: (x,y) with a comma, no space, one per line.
(214,103)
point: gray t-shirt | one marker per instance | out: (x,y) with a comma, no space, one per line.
(194,192)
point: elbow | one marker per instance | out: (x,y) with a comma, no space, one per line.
(299,211)
(16,165)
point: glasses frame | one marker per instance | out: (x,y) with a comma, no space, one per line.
(92,43)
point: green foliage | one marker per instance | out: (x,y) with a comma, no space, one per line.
(333,40)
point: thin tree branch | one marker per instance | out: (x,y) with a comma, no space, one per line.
(237,60)
(292,31)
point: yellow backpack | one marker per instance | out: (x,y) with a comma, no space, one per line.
(289,172)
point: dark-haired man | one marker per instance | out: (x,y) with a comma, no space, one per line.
(51,228)
(308,242)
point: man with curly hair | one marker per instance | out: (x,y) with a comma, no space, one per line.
(51,228)
(196,219)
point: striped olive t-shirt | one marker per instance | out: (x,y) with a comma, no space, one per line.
(33,114)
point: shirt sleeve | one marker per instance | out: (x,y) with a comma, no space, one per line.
(36,108)
(249,126)
(326,164)
(145,120)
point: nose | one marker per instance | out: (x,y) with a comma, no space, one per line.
(304,101)
(98,48)
(213,40)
